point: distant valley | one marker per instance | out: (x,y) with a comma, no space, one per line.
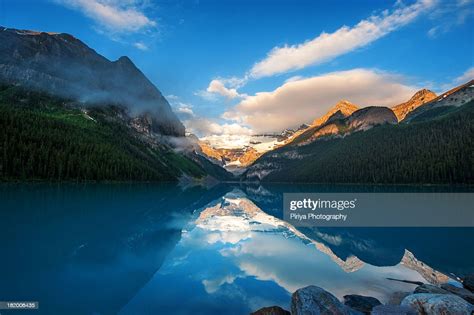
(237,159)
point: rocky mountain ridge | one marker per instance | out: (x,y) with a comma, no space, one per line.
(344,107)
(368,117)
(83,117)
(62,65)
(456,97)
(421,97)
(229,158)
(342,119)
(347,140)
(339,123)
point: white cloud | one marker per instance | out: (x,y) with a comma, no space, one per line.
(201,126)
(228,141)
(223,87)
(185,109)
(466,76)
(208,96)
(328,46)
(323,48)
(141,46)
(206,127)
(119,16)
(449,14)
(302,101)
(218,87)
(172,97)
(433,32)
(463,78)
(294,78)
(227,135)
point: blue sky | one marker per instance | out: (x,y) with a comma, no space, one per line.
(226,66)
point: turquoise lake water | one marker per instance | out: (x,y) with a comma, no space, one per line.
(164,249)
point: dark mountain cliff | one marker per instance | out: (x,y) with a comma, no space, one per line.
(62,65)
(68,113)
(44,138)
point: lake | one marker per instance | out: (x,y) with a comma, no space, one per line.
(165,249)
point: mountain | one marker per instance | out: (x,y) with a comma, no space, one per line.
(214,155)
(233,159)
(345,108)
(62,65)
(419,98)
(455,97)
(433,151)
(236,160)
(331,123)
(339,111)
(45,137)
(370,146)
(67,113)
(343,119)
(287,134)
(368,117)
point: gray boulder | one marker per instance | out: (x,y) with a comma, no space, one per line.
(429,288)
(468,282)
(271,310)
(313,300)
(363,304)
(392,310)
(461,292)
(397,297)
(435,304)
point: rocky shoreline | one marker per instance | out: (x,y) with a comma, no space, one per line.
(426,299)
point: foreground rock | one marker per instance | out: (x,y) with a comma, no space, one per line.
(427,299)
(271,310)
(397,297)
(446,288)
(435,304)
(429,288)
(392,310)
(461,292)
(313,300)
(363,304)
(468,282)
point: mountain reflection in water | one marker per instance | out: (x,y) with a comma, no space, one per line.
(148,249)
